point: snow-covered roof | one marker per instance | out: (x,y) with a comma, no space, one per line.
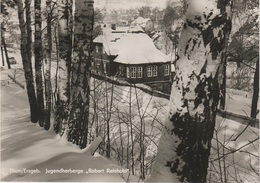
(109,40)
(120,29)
(138,49)
(131,47)
(140,21)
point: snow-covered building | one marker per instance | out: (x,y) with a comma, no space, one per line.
(131,55)
(139,61)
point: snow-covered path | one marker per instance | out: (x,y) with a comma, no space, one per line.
(30,153)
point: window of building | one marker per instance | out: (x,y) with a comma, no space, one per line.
(155,70)
(166,70)
(133,72)
(139,72)
(152,71)
(96,48)
(149,71)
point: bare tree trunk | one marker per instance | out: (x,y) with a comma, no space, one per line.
(65,47)
(108,113)
(254,111)
(80,72)
(29,28)
(2,54)
(184,146)
(131,131)
(4,46)
(38,60)
(6,53)
(27,65)
(223,84)
(48,88)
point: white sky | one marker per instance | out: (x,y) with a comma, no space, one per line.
(125,4)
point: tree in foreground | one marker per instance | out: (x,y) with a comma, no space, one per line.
(80,72)
(48,88)
(184,146)
(27,65)
(38,60)
(64,50)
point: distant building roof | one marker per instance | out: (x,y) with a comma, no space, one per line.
(141,21)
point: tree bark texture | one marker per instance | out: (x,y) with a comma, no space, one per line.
(38,60)
(184,146)
(255,92)
(65,47)
(80,72)
(48,88)
(27,65)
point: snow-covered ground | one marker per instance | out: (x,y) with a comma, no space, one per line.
(29,153)
(26,145)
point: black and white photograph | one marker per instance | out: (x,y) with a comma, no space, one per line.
(130,91)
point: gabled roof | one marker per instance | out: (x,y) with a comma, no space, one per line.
(131,47)
(138,48)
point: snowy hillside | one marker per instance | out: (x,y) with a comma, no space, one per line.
(26,145)
(31,154)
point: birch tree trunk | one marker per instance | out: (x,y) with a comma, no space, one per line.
(65,47)
(38,60)
(48,88)
(27,65)
(80,72)
(184,146)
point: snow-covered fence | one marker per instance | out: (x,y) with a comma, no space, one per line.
(229,115)
(239,118)
(144,88)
